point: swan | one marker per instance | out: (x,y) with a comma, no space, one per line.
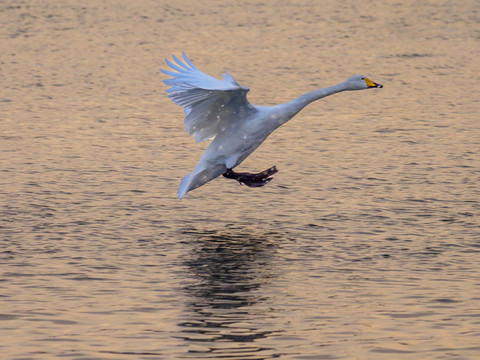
(220,109)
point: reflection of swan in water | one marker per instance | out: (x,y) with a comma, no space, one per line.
(226,315)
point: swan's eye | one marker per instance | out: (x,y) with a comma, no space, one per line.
(363,78)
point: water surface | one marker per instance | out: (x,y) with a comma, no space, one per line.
(364,246)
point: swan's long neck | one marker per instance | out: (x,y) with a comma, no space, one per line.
(293,107)
(280,114)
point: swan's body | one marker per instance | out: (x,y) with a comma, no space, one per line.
(220,109)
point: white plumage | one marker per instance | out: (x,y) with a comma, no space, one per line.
(220,109)
(209,103)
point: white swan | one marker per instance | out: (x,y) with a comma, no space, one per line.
(220,109)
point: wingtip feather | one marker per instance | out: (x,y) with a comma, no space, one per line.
(169,73)
(181,63)
(187,60)
(175,67)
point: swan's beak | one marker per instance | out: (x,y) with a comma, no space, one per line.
(371,84)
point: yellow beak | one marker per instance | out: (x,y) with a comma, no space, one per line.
(372,84)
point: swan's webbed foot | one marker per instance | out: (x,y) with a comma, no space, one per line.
(252,180)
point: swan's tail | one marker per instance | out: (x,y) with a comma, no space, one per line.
(183,189)
(198,178)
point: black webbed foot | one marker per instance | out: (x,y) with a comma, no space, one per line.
(252,180)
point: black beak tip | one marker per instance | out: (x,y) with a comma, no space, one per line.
(375,85)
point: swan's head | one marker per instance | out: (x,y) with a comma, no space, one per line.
(360,82)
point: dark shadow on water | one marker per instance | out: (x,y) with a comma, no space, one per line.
(227,314)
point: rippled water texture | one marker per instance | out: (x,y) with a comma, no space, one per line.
(364,246)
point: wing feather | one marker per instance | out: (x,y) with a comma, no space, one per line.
(173,66)
(187,60)
(210,104)
(179,62)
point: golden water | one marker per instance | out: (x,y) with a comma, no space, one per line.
(364,246)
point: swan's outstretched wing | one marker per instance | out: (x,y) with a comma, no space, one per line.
(210,104)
